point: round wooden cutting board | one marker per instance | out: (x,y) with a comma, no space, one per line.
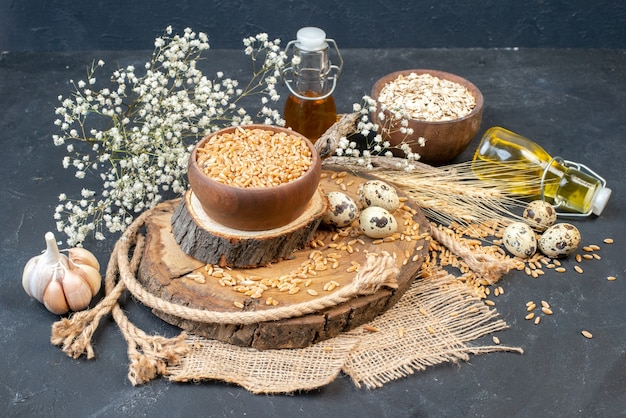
(327,263)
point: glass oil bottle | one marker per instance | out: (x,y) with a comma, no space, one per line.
(310,107)
(529,170)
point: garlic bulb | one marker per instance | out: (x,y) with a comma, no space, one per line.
(62,283)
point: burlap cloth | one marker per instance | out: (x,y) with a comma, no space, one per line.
(434,322)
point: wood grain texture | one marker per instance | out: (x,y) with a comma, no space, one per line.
(169,273)
(210,242)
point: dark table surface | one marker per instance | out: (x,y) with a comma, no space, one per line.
(572,102)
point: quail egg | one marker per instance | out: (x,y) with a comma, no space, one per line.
(378,193)
(377,222)
(342,210)
(559,240)
(519,239)
(540,214)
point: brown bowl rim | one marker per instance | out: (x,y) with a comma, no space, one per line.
(256,190)
(445,75)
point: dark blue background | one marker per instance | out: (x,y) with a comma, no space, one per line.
(65,25)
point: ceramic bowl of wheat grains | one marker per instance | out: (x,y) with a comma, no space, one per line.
(254,177)
(443,109)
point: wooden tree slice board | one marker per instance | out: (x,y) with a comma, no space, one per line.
(210,242)
(171,274)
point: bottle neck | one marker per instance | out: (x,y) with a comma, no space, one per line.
(309,82)
(572,190)
(311,71)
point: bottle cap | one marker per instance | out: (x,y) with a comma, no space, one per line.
(311,39)
(600,199)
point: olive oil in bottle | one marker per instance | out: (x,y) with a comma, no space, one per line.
(311,116)
(310,108)
(505,156)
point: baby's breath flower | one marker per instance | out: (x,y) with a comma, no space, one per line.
(393,120)
(153,122)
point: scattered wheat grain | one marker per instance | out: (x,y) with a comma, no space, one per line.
(370,328)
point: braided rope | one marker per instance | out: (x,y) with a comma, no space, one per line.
(379,270)
(74,333)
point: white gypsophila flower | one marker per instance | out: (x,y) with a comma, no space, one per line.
(375,136)
(153,120)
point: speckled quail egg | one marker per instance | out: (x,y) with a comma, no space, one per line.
(377,222)
(540,214)
(519,239)
(560,240)
(342,210)
(378,193)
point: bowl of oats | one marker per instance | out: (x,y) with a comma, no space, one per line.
(254,177)
(436,114)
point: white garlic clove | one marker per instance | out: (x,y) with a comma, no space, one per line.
(77,291)
(80,255)
(29,268)
(42,275)
(91,276)
(54,298)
